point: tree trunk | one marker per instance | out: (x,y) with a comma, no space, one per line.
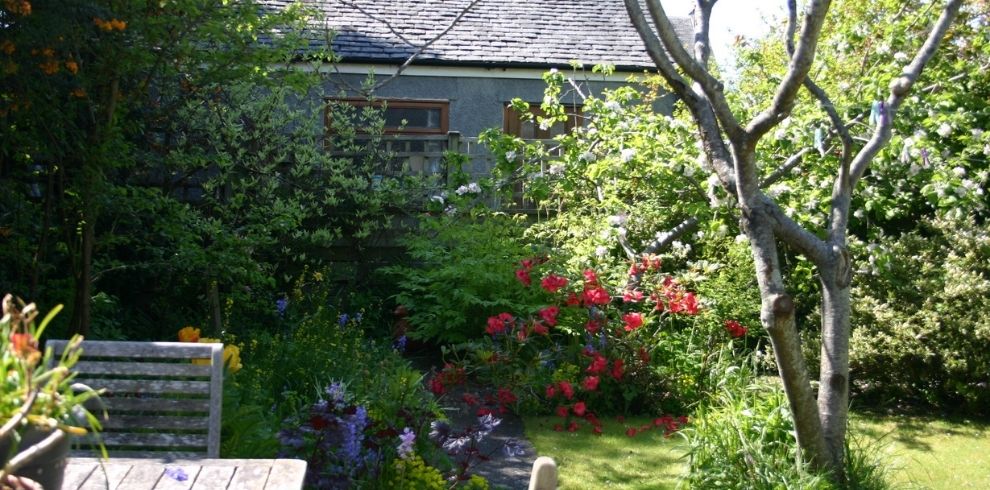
(777,316)
(833,391)
(81,311)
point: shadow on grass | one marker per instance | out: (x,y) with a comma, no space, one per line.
(916,432)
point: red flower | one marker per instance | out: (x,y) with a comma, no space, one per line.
(523,276)
(735,328)
(527,264)
(634,296)
(562,411)
(553,283)
(549,315)
(551,391)
(499,323)
(590,383)
(566,389)
(597,430)
(633,321)
(572,427)
(631,432)
(651,261)
(592,326)
(690,304)
(470,399)
(643,355)
(634,269)
(572,299)
(436,386)
(617,369)
(590,277)
(579,409)
(596,296)
(540,329)
(558,427)
(506,396)
(598,364)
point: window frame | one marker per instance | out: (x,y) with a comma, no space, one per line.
(398,103)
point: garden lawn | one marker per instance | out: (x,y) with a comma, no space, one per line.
(611,460)
(924,452)
(921,452)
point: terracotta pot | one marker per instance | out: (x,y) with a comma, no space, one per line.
(48,468)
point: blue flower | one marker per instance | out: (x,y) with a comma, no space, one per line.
(281,305)
(342,320)
(400,344)
(177,474)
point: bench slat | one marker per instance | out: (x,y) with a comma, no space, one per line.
(152,404)
(149,440)
(159,369)
(157,386)
(155,422)
(158,350)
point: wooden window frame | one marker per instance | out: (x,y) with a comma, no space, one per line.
(512,124)
(442,105)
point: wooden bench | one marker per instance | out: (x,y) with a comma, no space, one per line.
(160,403)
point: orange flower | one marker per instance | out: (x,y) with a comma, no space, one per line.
(118,24)
(24,345)
(80,93)
(18,7)
(48,52)
(104,25)
(72,66)
(188,333)
(49,67)
(7,47)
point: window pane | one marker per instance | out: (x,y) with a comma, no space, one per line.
(414,117)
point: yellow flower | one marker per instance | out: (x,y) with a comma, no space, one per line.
(231,355)
(189,334)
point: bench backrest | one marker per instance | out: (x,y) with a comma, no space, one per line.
(163,398)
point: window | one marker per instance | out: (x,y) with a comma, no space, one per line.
(530,130)
(407,116)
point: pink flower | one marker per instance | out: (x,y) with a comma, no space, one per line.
(549,315)
(618,369)
(592,326)
(572,427)
(579,409)
(551,391)
(553,283)
(634,296)
(598,364)
(572,299)
(523,276)
(596,296)
(690,304)
(540,329)
(631,432)
(562,411)
(590,383)
(633,321)
(499,323)
(566,389)
(590,277)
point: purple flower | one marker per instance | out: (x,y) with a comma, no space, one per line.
(281,305)
(354,427)
(342,320)
(177,474)
(335,392)
(408,437)
(400,344)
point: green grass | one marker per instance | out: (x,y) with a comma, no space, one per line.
(933,453)
(648,461)
(921,452)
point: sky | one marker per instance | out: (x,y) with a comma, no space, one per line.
(731,18)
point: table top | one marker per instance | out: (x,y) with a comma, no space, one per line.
(195,474)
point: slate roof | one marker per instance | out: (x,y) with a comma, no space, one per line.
(494,33)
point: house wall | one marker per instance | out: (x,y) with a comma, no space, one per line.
(476,103)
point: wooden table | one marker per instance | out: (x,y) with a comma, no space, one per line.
(161,474)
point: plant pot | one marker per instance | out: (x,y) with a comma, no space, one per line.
(47,468)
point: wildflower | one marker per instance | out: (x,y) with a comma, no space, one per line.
(189,334)
(590,383)
(553,283)
(549,315)
(900,57)
(407,438)
(643,355)
(613,106)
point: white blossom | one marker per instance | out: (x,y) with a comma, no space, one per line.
(900,57)
(959,172)
(556,169)
(627,154)
(976,132)
(613,106)
(618,219)
(438,199)
(587,156)
(742,238)
(859,214)
(601,251)
(510,155)
(913,170)
(621,231)
(944,130)
(472,188)
(546,124)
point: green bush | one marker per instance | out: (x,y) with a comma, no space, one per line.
(461,272)
(921,330)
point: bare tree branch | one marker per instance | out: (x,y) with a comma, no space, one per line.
(804,55)
(782,170)
(420,49)
(793,234)
(709,86)
(657,53)
(702,23)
